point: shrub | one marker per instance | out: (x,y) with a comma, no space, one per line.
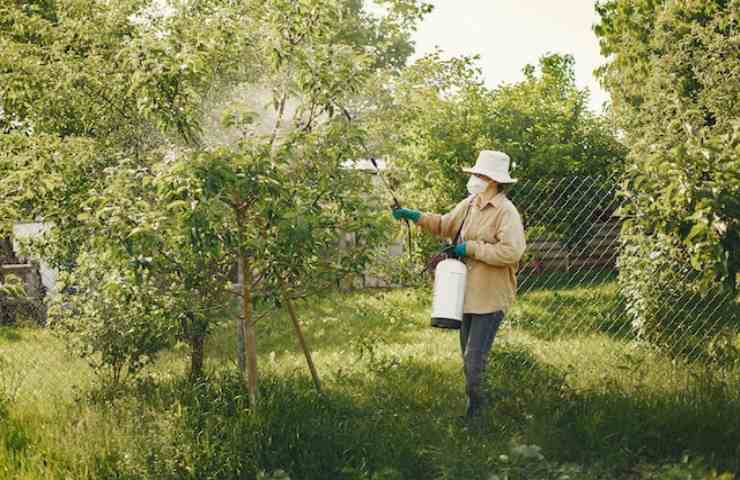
(672,75)
(668,303)
(110,314)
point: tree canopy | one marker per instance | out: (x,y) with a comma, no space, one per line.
(173,141)
(675,84)
(443,115)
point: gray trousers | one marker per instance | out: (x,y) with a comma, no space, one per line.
(476,338)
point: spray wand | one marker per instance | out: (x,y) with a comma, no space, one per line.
(396,203)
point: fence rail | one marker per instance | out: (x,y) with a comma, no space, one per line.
(599,248)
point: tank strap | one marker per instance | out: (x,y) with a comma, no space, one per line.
(459,230)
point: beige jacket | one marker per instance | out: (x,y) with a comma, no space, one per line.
(495,243)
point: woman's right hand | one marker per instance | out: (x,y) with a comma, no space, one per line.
(406,214)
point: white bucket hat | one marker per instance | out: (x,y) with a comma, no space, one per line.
(494,165)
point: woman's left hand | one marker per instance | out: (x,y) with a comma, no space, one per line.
(459,250)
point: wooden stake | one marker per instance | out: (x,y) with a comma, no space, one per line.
(301,339)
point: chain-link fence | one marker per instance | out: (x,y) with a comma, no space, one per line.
(25,360)
(572,288)
(572,308)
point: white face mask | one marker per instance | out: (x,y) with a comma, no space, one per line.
(476,185)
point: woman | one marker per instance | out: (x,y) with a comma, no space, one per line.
(491,244)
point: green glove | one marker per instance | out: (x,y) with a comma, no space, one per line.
(407,214)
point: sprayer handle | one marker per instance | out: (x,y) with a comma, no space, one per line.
(449,251)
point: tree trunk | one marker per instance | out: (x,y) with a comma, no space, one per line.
(197,354)
(247,332)
(6,250)
(240,341)
(7,306)
(247,342)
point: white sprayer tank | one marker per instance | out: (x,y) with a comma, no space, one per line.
(449,293)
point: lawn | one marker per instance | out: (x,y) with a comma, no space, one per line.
(570,400)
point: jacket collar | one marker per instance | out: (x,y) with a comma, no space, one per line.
(495,201)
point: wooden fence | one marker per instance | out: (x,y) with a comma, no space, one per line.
(599,246)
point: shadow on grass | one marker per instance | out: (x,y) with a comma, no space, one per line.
(609,426)
(399,425)
(402,417)
(399,420)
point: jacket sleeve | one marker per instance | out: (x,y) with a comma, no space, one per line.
(510,246)
(446,225)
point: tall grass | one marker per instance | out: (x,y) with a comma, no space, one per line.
(598,405)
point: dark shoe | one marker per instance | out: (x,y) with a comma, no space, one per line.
(472,424)
(472,413)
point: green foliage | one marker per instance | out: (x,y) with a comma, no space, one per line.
(108,136)
(689,468)
(4,400)
(674,81)
(443,115)
(95,86)
(14,443)
(666,297)
(302,198)
(440,118)
(544,124)
(12,287)
(438,114)
(111,316)
(13,299)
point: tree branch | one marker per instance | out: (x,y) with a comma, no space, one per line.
(279,121)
